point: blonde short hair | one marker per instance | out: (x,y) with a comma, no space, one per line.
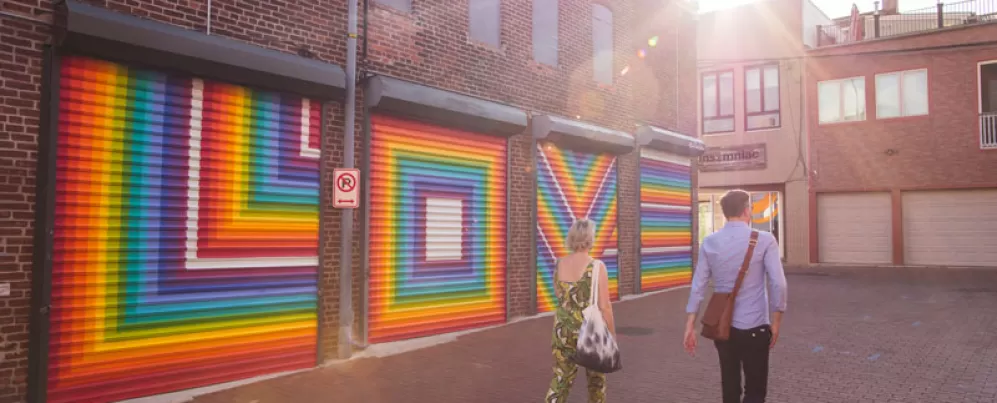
(581,236)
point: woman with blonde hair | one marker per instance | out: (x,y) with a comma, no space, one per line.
(573,286)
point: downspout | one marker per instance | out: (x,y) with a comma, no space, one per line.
(207,28)
(364,330)
(346,227)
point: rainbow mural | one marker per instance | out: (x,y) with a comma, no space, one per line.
(571,185)
(186,233)
(437,230)
(665,221)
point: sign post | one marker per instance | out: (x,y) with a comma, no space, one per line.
(346,189)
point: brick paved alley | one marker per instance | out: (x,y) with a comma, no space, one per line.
(872,335)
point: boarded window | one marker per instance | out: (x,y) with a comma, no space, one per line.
(403,5)
(602,43)
(484,21)
(545,31)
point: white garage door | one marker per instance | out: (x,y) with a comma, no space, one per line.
(950,228)
(855,228)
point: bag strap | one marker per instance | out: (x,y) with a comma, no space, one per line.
(595,282)
(744,265)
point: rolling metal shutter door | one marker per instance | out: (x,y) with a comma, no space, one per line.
(437,230)
(855,228)
(186,233)
(950,228)
(665,221)
(571,185)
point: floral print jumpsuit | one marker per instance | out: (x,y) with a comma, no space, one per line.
(573,298)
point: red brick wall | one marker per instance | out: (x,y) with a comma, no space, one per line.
(428,45)
(279,25)
(20,92)
(940,150)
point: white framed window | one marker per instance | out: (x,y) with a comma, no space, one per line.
(902,93)
(602,44)
(761,97)
(841,100)
(717,90)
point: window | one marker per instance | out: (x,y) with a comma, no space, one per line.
(718,102)
(545,31)
(602,44)
(902,93)
(402,5)
(484,21)
(841,100)
(761,97)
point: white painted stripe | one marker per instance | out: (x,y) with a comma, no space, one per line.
(656,206)
(250,263)
(664,157)
(553,177)
(306,131)
(610,252)
(666,249)
(602,185)
(194,166)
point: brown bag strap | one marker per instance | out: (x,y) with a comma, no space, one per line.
(744,265)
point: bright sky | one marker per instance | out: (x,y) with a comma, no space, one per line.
(833,8)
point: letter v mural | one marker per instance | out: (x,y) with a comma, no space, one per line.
(576,178)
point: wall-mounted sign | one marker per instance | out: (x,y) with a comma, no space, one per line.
(735,158)
(346,193)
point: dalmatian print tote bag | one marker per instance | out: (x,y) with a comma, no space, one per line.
(597,349)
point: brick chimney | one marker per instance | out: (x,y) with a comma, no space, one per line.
(889,7)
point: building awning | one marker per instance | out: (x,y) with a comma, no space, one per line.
(434,105)
(115,36)
(667,140)
(580,135)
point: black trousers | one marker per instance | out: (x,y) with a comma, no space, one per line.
(746,350)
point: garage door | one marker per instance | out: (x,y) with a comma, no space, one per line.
(572,184)
(855,228)
(951,228)
(437,230)
(665,220)
(185,246)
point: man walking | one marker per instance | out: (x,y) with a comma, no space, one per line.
(753,333)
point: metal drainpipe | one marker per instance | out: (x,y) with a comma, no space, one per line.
(207,29)
(346,229)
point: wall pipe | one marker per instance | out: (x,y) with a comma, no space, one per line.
(346,228)
(207,28)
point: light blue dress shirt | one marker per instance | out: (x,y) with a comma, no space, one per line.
(720,258)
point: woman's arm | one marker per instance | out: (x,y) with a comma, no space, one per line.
(604,304)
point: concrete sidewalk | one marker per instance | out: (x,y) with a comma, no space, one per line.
(881,335)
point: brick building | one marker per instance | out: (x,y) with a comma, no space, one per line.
(166,180)
(752,115)
(902,142)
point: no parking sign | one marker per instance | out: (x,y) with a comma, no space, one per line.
(346,188)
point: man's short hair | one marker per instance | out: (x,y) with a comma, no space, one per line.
(734,203)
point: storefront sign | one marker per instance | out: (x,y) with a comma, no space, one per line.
(736,158)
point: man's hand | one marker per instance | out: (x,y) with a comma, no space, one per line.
(776,324)
(690,341)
